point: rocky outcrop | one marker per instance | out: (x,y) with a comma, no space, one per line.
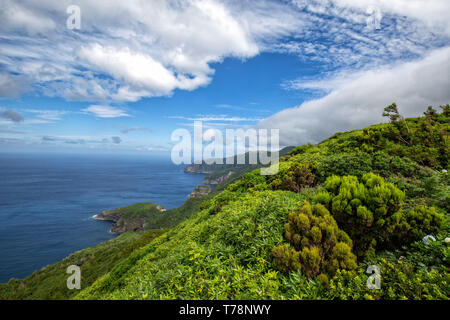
(200,191)
(120,224)
(209,180)
(108,215)
(130,225)
(160,208)
(195,168)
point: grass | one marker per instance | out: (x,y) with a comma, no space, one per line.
(50,281)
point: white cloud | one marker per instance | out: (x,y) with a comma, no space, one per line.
(358,100)
(131,49)
(105,111)
(127,50)
(16,16)
(337,33)
(12,86)
(51,115)
(434,13)
(139,71)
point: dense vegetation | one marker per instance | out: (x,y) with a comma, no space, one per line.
(357,199)
(370,212)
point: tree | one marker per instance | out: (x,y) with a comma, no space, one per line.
(394,115)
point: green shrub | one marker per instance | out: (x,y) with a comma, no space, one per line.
(286,258)
(433,190)
(215,204)
(370,212)
(387,165)
(417,223)
(300,149)
(248,181)
(400,280)
(424,140)
(316,244)
(296,178)
(355,164)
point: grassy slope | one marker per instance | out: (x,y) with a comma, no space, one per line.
(50,281)
(224,250)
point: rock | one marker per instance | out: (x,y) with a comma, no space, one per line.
(196,168)
(217,180)
(427,239)
(131,225)
(108,216)
(161,208)
(123,223)
(200,191)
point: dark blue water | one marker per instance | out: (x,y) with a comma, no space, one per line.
(47,202)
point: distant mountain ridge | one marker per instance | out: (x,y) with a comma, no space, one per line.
(221,164)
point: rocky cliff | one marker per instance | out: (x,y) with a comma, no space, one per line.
(217,180)
(123,221)
(200,191)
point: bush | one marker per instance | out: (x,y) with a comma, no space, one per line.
(300,149)
(250,180)
(424,140)
(316,244)
(433,190)
(296,178)
(370,212)
(216,204)
(400,280)
(387,165)
(355,164)
(286,258)
(417,223)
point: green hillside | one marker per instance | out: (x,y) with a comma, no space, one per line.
(365,197)
(360,198)
(50,281)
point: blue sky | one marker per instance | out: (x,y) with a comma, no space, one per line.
(134,72)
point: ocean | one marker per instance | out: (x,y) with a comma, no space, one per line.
(47,201)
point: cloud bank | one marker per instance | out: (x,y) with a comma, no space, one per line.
(357,100)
